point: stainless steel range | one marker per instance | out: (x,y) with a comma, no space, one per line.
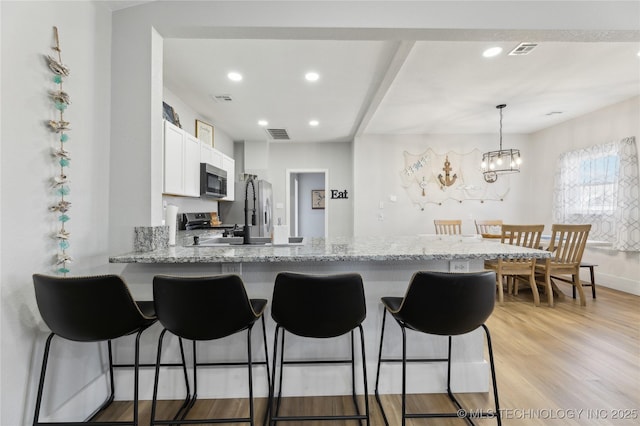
(189,221)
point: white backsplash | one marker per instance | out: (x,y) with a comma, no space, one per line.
(190,204)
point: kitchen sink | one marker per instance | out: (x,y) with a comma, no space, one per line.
(233,241)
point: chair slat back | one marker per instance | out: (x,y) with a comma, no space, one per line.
(489,228)
(523,236)
(449,227)
(568,243)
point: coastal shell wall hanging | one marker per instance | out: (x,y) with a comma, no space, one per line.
(462,180)
(60,181)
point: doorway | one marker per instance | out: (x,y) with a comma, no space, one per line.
(307,211)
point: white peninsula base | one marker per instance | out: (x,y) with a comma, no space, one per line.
(386,265)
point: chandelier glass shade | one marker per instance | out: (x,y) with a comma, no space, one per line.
(502,161)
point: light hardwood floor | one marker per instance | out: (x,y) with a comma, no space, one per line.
(567,365)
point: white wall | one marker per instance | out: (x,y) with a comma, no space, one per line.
(222,141)
(310,220)
(615,269)
(336,158)
(27,167)
(379,161)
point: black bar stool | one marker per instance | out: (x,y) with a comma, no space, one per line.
(204,309)
(443,304)
(317,306)
(91,309)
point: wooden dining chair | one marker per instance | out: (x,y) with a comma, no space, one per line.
(448,227)
(566,246)
(489,228)
(523,236)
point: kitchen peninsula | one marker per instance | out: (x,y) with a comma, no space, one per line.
(386,265)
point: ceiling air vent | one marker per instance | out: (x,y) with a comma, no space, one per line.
(523,49)
(221,98)
(278,134)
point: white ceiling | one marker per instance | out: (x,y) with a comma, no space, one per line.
(382,86)
(123,4)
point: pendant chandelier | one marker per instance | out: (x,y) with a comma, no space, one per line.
(499,162)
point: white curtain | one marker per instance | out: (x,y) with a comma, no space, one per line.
(599,185)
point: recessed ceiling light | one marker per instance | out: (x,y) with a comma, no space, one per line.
(492,51)
(234,76)
(312,76)
(314,123)
(263,123)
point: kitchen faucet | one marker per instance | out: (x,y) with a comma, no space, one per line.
(246,238)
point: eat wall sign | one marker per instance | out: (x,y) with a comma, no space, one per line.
(337,194)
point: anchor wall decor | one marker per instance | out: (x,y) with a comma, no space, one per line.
(427,182)
(447,180)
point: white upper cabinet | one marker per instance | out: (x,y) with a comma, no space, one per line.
(183,154)
(191,166)
(181,162)
(173,159)
(210,155)
(229,165)
(217,158)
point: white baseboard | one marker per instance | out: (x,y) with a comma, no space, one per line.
(617,283)
(307,380)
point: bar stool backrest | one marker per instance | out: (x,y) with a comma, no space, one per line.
(448,304)
(88,309)
(318,305)
(202,308)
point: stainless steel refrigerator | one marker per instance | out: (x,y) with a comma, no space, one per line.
(232,212)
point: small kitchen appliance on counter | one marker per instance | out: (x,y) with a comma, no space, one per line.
(206,220)
(171,220)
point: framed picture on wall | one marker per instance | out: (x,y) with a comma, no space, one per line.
(317,198)
(204,132)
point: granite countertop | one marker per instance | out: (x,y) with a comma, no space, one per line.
(397,248)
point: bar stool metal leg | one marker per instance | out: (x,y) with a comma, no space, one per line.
(43,370)
(109,399)
(66,306)
(154,400)
(376,391)
(317,307)
(471,294)
(274,402)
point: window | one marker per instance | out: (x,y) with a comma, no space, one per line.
(599,185)
(596,179)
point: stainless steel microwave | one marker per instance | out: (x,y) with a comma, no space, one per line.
(213,181)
